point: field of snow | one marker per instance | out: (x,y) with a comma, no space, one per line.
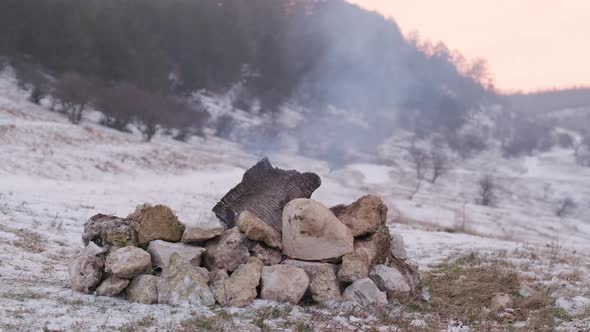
(54,176)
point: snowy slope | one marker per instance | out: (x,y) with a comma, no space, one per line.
(54,176)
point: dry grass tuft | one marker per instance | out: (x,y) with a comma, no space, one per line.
(27,240)
(462,290)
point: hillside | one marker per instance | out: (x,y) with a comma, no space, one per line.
(55,175)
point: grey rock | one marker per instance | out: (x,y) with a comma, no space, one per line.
(240,289)
(325,286)
(156,223)
(162,250)
(111,286)
(398,249)
(389,280)
(355,266)
(110,231)
(269,256)
(228,251)
(364,216)
(257,230)
(364,292)
(143,289)
(128,262)
(180,284)
(86,269)
(201,233)
(311,268)
(283,283)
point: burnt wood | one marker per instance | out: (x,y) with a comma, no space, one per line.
(264,191)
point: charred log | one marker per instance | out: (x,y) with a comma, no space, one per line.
(264,192)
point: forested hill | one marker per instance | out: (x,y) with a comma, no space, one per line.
(318,52)
(551,100)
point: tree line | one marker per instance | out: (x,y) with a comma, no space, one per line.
(279,50)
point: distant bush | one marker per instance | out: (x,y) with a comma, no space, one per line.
(118,104)
(188,119)
(75,93)
(32,78)
(487,191)
(466,144)
(582,151)
(565,207)
(565,140)
(527,136)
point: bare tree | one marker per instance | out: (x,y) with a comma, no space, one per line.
(419,159)
(75,93)
(487,188)
(565,207)
(582,151)
(439,163)
(188,119)
(31,77)
(118,104)
(149,118)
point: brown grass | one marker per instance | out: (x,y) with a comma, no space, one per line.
(462,291)
(27,240)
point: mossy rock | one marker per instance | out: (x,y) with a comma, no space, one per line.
(157,222)
(110,231)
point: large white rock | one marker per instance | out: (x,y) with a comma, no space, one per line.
(86,269)
(283,283)
(127,262)
(143,289)
(257,230)
(364,292)
(389,279)
(111,286)
(312,232)
(162,250)
(181,284)
(240,289)
(364,216)
(325,286)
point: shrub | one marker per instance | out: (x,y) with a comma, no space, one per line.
(118,105)
(31,77)
(467,144)
(75,93)
(487,188)
(565,207)
(527,136)
(565,141)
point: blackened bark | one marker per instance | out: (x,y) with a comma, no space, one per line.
(264,191)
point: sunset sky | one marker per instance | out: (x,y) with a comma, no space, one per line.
(529,44)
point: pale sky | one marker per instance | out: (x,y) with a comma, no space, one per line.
(528,44)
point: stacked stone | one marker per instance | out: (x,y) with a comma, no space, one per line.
(345,253)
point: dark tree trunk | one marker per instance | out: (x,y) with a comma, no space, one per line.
(264,191)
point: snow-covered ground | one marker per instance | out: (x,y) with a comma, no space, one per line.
(54,176)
